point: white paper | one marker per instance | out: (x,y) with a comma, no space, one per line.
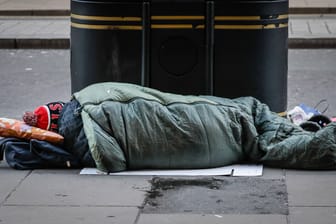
(247,170)
(234,170)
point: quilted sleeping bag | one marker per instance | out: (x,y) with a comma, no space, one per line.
(132,127)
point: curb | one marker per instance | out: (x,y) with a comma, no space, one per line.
(312,10)
(42,12)
(311,43)
(64,43)
(58,43)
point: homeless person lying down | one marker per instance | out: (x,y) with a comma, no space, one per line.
(119,126)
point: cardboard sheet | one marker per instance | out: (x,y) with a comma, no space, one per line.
(239,170)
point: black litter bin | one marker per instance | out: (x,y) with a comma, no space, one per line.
(227,48)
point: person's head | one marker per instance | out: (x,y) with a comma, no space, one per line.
(45,116)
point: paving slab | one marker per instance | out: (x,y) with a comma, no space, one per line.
(58,188)
(311,188)
(10,180)
(312,31)
(213,219)
(35,7)
(34,28)
(312,26)
(34,32)
(272,173)
(34,4)
(312,215)
(64,214)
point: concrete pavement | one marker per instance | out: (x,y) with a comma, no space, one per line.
(33,77)
(34,7)
(34,32)
(312,31)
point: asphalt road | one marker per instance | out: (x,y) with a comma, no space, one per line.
(312,77)
(33,77)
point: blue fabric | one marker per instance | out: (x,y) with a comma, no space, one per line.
(36,154)
(70,126)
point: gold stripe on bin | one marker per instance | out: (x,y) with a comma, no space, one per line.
(239,18)
(247,18)
(128,27)
(134,18)
(178,26)
(105,27)
(106,18)
(174,26)
(250,27)
(171,26)
(285,16)
(177,17)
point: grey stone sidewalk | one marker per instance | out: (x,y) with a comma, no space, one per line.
(312,31)
(34,7)
(305,31)
(312,26)
(34,32)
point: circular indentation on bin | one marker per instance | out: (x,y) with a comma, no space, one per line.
(178,55)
